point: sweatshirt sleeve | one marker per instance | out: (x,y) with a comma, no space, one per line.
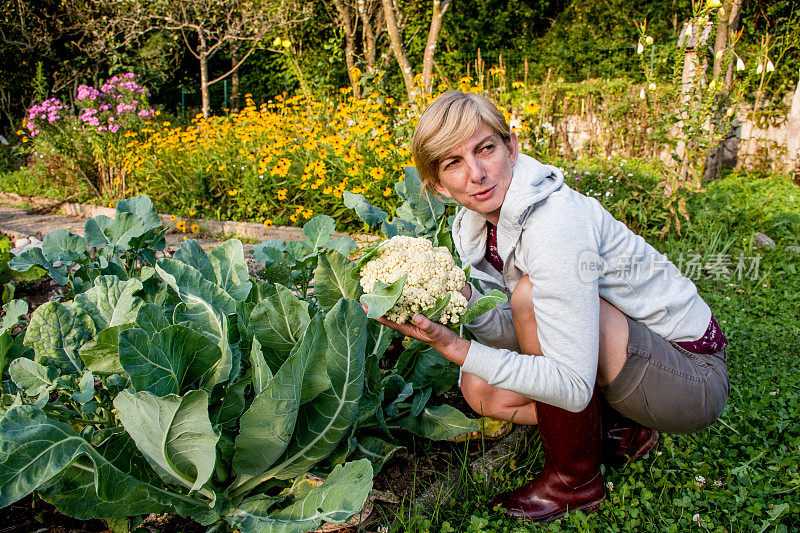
(567,310)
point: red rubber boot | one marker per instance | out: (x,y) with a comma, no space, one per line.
(571,479)
(624,440)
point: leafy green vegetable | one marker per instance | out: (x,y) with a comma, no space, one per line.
(173,432)
(333,279)
(483,305)
(383,297)
(278,322)
(57,332)
(371,215)
(439,423)
(169,361)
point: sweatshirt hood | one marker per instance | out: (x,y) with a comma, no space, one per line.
(531,183)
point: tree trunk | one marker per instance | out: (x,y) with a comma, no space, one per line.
(793,136)
(721,40)
(733,26)
(727,23)
(234,79)
(371,29)
(398,48)
(204,77)
(439,9)
(348,23)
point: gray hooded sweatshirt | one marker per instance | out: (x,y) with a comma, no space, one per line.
(574,252)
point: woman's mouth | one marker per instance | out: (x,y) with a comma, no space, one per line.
(485,193)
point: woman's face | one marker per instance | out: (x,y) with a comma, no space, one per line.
(477,173)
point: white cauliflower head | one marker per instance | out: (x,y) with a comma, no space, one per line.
(431,274)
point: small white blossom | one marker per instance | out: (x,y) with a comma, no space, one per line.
(739,64)
(610,486)
(700,481)
(696,518)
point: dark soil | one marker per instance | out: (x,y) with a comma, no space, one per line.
(36,293)
(31,516)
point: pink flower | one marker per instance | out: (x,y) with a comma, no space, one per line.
(114,128)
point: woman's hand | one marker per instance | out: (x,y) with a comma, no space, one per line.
(442,339)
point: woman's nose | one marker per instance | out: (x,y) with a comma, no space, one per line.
(476,171)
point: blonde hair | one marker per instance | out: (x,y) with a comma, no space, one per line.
(448,122)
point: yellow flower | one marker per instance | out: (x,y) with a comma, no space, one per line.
(195,228)
(387,191)
(377,173)
(286,43)
(111,204)
(307,213)
(276,42)
(518,85)
(117,181)
(327,190)
(648,40)
(267,223)
(192,212)
(232,192)
(293,218)
(172,217)
(282,194)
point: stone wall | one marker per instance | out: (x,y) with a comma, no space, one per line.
(772,143)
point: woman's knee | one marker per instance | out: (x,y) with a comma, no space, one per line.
(487,400)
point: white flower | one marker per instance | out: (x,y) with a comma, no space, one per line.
(770,66)
(700,481)
(652,86)
(696,518)
(610,486)
(639,48)
(717,482)
(719,54)
(688,30)
(739,64)
(774,393)
(760,68)
(641,94)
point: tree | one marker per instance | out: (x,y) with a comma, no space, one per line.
(345,15)
(208,26)
(393,15)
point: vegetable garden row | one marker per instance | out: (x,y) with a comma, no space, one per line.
(185,384)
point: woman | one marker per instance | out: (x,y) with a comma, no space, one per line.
(597,319)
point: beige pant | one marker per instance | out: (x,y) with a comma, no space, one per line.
(667,388)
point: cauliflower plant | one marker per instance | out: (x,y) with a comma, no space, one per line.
(431,274)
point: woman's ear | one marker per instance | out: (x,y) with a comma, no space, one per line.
(441,189)
(512,144)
